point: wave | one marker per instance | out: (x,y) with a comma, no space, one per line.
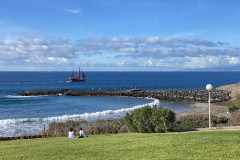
(83,116)
(12,96)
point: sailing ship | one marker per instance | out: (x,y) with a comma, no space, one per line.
(78,79)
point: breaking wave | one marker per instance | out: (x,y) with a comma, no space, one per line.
(85,116)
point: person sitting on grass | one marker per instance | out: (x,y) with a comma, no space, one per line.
(71,133)
(82,134)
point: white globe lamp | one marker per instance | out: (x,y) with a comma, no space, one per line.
(209,87)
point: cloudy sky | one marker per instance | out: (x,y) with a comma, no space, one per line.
(120,35)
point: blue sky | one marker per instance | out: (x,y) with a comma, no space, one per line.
(119,35)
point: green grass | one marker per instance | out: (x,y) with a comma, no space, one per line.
(187,145)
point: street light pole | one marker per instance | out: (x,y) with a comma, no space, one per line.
(209,102)
(209,87)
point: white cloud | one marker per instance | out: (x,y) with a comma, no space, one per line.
(147,63)
(233,60)
(199,62)
(74,11)
(197,53)
(150,50)
(152,39)
(159,64)
(155,47)
(122,63)
(36,51)
(127,50)
(57,60)
(146,53)
(115,39)
(210,62)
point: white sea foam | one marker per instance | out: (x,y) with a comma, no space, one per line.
(84,116)
(12,96)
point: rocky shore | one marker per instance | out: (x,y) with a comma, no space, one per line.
(200,96)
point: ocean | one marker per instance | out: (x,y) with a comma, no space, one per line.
(26,115)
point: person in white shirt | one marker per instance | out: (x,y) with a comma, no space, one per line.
(71,133)
(82,134)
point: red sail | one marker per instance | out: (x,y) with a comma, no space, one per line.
(83,75)
(72,74)
(78,77)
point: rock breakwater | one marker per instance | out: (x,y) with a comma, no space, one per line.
(165,95)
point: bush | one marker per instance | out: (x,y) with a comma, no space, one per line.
(237,100)
(59,129)
(106,126)
(150,120)
(218,120)
(233,108)
(199,121)
(235,118)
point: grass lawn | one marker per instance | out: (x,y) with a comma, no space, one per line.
(187,145)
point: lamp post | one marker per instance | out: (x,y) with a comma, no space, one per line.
(209,87)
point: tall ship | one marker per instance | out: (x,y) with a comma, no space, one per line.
(78,79)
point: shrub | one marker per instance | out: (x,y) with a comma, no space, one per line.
(191,121)
(218,120)
(236,104)
(199,121)
(233,108)
(150,120)
(237,100)
(235,118)
(106,126)
(59,129)
(56,129)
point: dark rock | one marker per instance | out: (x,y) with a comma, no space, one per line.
(166,95)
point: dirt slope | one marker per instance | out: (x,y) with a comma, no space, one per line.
(233,88)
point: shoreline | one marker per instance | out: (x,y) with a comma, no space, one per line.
(197,108)
(195,99)
(66,117)
(37,123)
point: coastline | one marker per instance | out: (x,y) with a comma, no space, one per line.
(17,126)
(195,99)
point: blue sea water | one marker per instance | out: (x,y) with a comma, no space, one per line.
(26,115)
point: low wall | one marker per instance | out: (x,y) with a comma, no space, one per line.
(166,95)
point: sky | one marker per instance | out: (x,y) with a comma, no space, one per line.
(120,35)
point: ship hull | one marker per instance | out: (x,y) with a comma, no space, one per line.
(76,80)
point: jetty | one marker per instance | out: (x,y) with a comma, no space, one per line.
(195,95)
